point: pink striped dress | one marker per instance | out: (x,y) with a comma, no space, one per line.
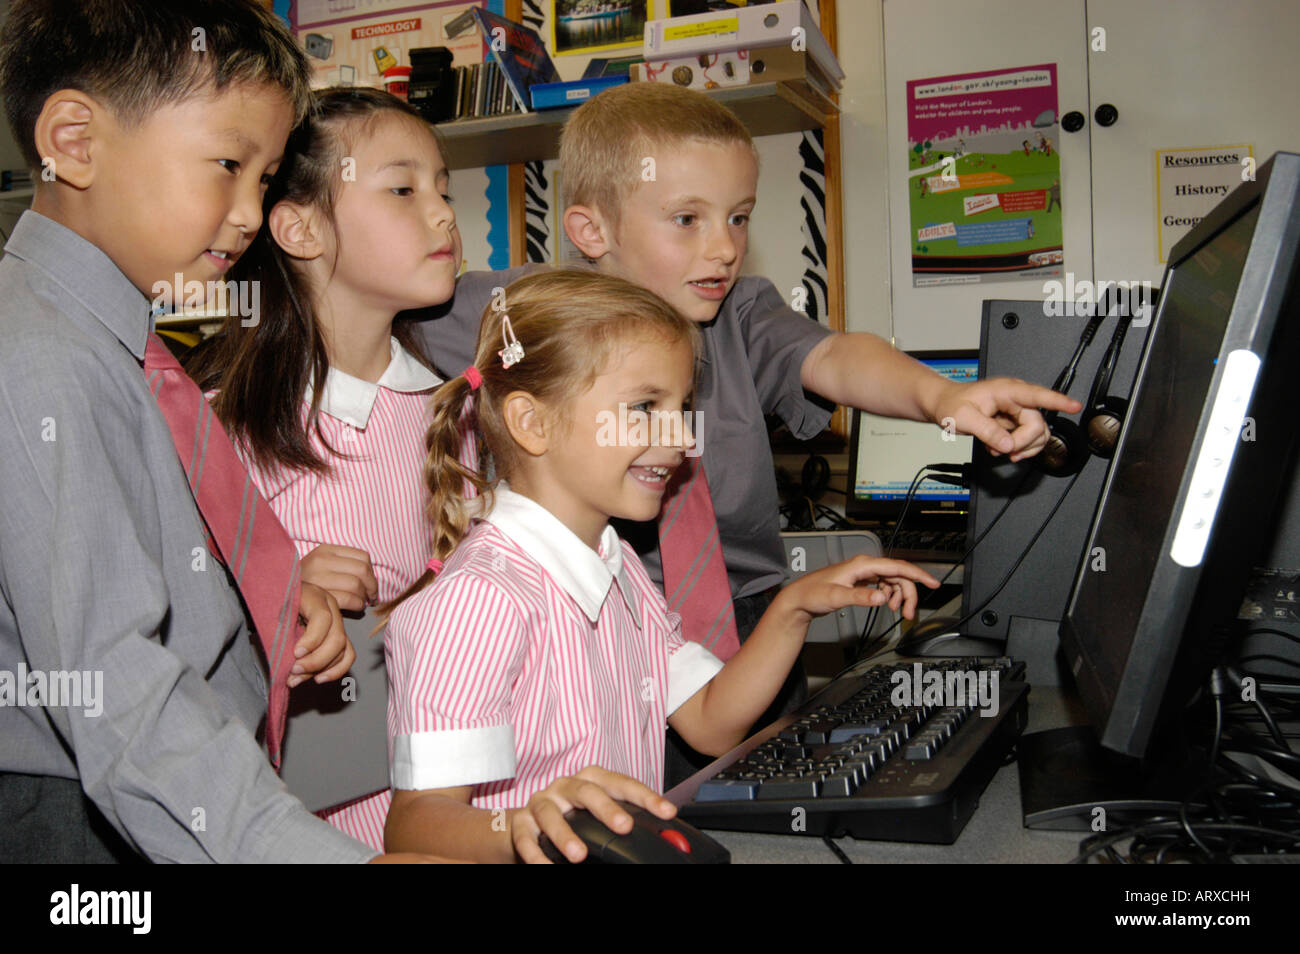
(531,657)
(373,501)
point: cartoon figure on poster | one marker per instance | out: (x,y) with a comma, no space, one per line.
(984,176)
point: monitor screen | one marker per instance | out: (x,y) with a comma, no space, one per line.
(886,452)
(1143,560)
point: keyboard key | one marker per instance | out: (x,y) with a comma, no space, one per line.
(726,791)
(919,751)
(819,732)
(838,786)
(860,770)
(789,788)
(849,729)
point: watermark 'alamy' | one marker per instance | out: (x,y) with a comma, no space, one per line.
(636,428)
(950,688)
(58,689)
(242,300)
(1082,297)
(74,906)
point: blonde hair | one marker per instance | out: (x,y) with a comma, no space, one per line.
(606,139)
(570,323)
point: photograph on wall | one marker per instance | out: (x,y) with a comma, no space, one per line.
(354,48)
(588,26)
(984,176)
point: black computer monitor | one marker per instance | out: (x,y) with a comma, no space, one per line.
(1197,474)
(885,454)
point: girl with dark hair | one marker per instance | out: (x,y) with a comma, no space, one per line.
(323,391)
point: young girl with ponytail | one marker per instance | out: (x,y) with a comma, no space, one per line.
(534,666)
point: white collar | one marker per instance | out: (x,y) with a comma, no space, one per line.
(584,574)
(351,399)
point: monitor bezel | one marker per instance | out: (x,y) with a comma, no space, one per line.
(1127,715)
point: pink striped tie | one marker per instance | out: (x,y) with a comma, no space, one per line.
(249,539)
(695,576)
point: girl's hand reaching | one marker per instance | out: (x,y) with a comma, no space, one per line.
(323,650)
(345,572)
(835,587)
(594,789)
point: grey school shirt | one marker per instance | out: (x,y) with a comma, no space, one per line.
(753,356)
(106,584)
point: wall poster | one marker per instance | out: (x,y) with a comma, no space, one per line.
(984,176)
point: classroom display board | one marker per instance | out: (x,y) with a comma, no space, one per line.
(352,42)
(984,176)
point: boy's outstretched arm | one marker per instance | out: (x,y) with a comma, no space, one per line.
(864,371)
(717,718)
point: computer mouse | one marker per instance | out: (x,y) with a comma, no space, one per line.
(927,634)
(652,841)
(939,636)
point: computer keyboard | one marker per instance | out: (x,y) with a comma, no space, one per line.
(852,762)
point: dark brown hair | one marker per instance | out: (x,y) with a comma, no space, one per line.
(263,372)
(138,55)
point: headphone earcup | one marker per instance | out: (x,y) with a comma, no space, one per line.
(815,477)
(1102,425)
(1066,450)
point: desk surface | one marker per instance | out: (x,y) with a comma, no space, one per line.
(995,832)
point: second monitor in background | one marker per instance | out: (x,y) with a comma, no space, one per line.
(885,455)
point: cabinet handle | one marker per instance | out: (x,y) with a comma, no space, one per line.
(1106,115)
(1073,121)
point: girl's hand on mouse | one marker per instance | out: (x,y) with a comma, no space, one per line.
(835,587)
(345,571)
(323,649)
(595,789)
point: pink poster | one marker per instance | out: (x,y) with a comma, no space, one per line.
(984,176)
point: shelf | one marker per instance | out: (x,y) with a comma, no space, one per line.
(764,108)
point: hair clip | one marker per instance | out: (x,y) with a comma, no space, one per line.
(474,378)
(513,352)
(434,565)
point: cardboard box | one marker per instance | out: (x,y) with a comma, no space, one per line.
(773,64)
(788,23)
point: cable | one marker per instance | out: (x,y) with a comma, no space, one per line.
(1218,729)
(1269,656)
(889,548)
(1234,811)
(1273,632)
(838,851)
(1020,559)
(863,650)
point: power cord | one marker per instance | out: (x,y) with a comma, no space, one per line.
(1236,810)
(865,648)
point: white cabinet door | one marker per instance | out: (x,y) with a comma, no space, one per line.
(928,38)
(1187,74)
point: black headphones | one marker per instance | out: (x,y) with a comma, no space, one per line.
(1069,445)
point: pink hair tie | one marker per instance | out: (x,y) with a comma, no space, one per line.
(435,565)
(473,377)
